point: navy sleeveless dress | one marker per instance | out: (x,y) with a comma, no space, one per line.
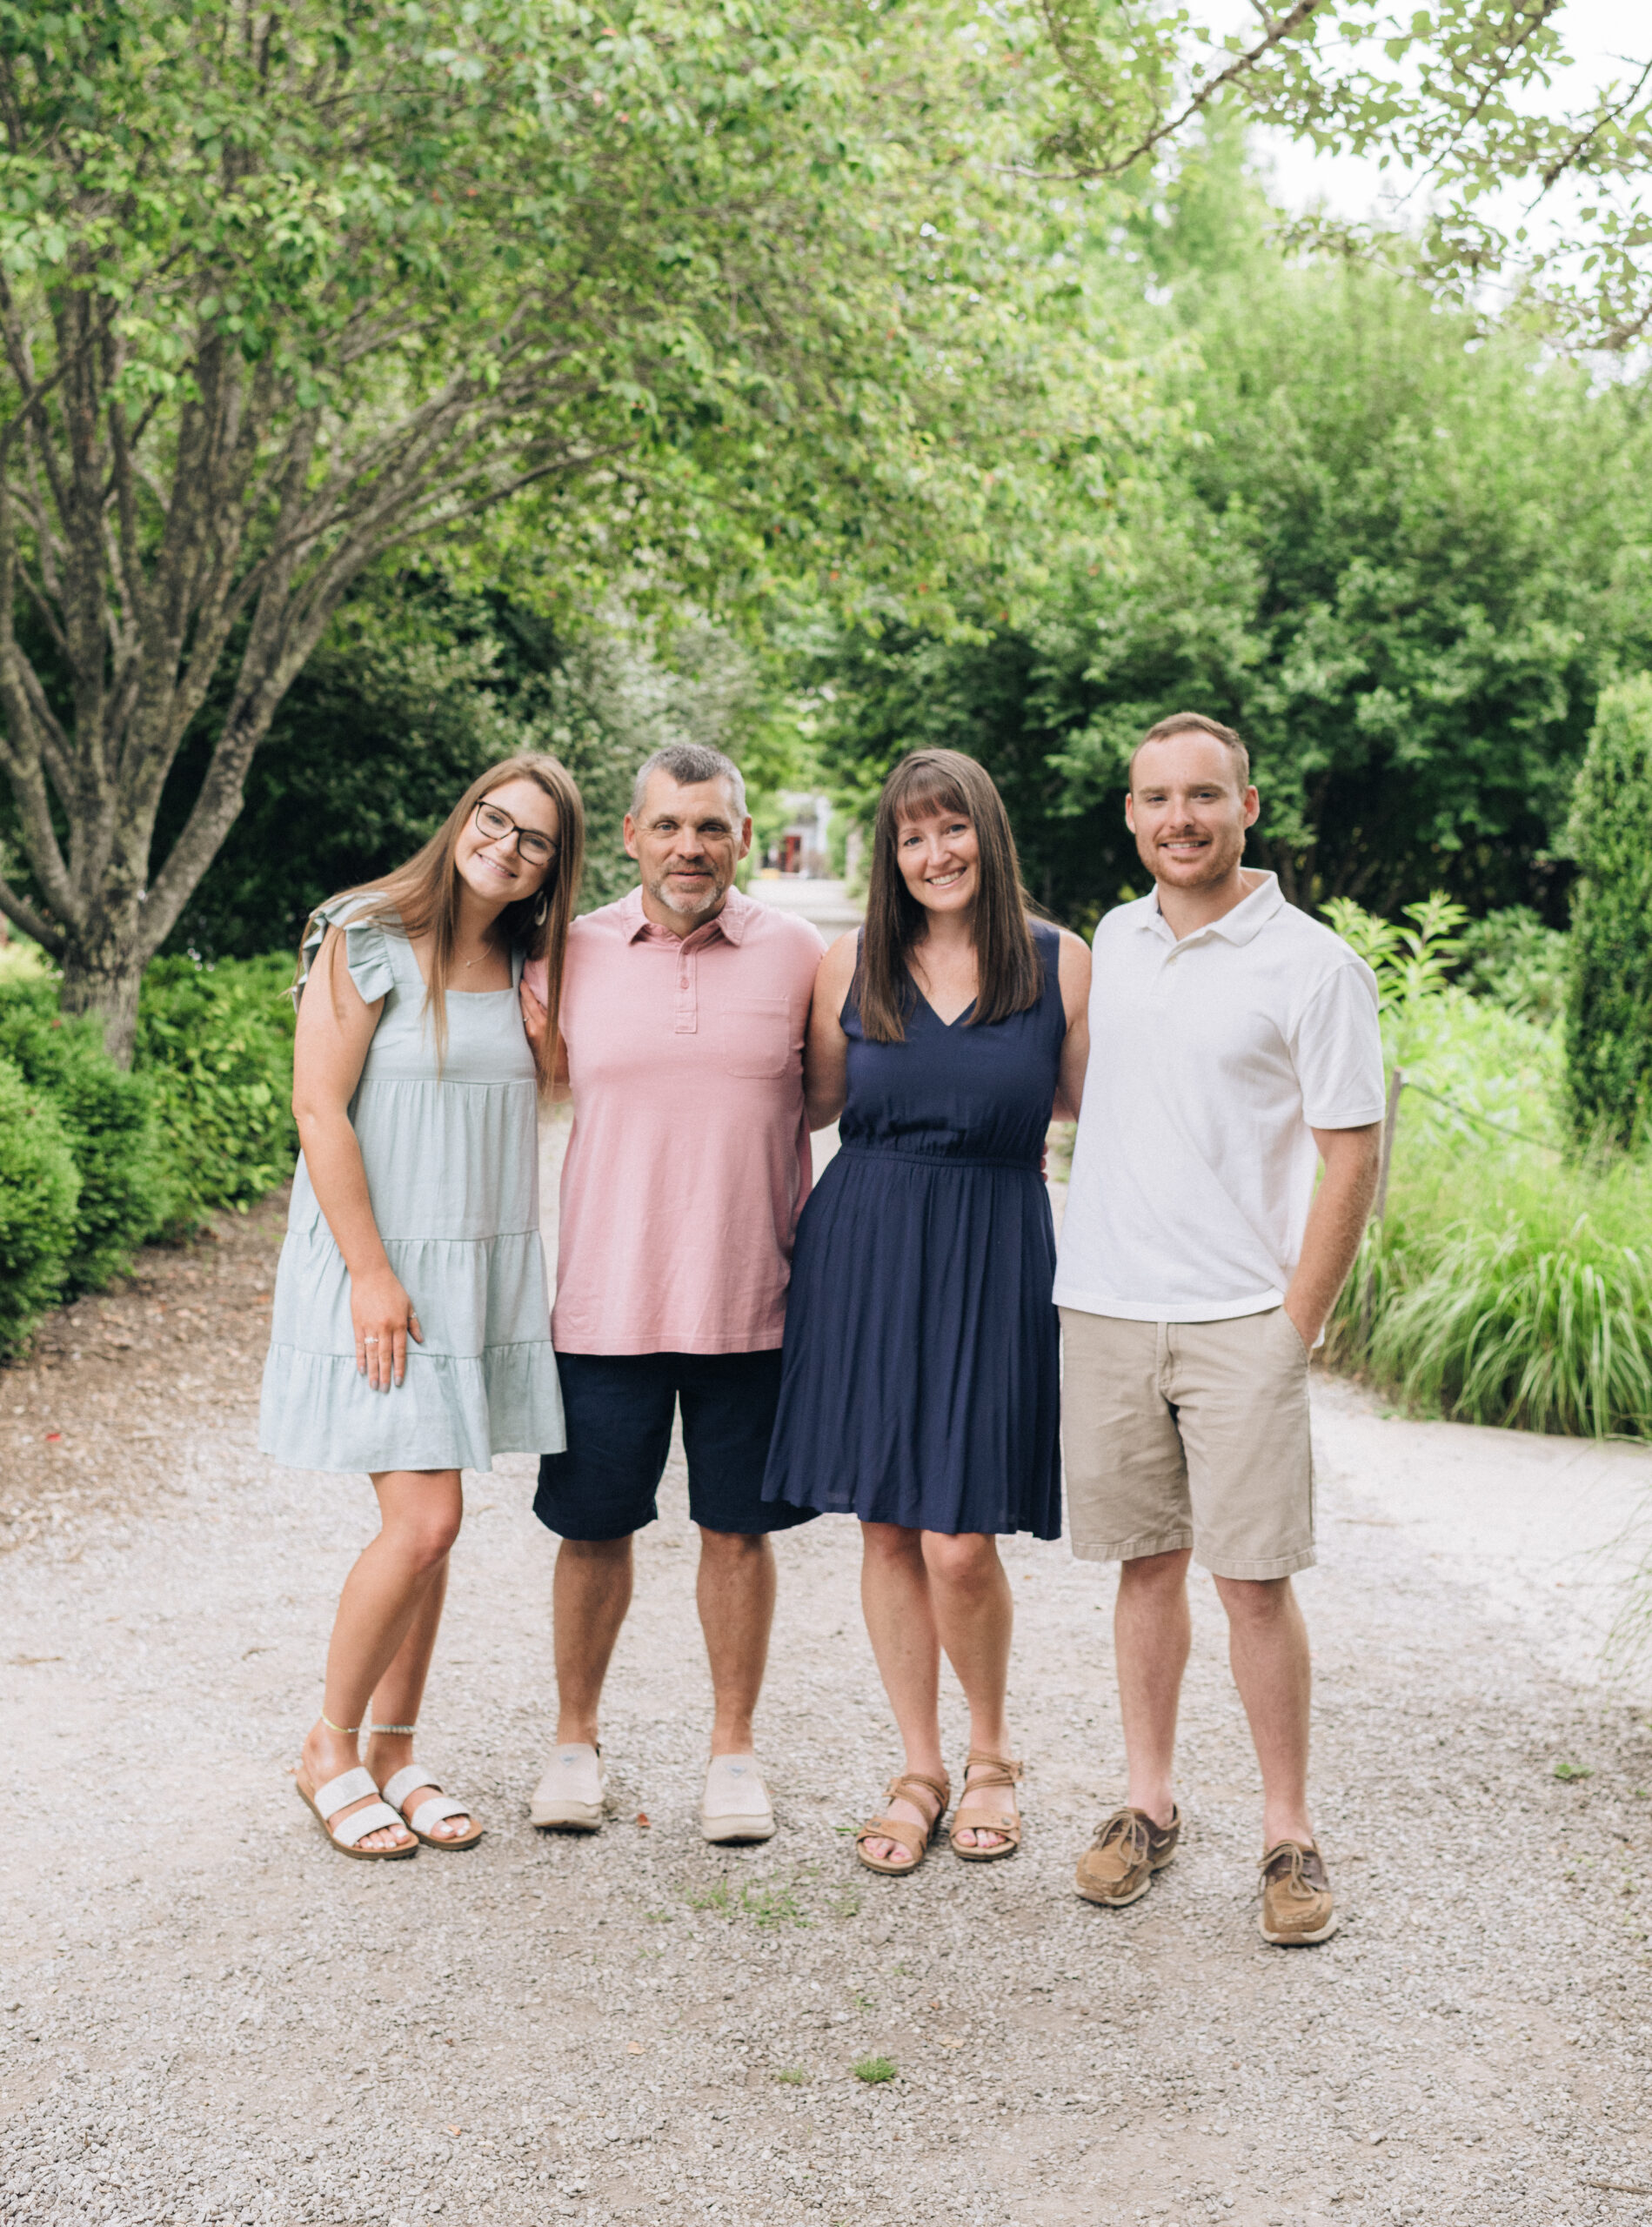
(920,1379)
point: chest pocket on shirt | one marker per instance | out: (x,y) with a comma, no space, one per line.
(757,1039)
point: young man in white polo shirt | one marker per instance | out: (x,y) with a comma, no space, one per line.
(1233,1047)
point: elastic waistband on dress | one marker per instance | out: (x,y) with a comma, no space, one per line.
(935,1159)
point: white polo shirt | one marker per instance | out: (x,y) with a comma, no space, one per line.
(1211,1061)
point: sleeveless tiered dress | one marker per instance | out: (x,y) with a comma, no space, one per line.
(454,1172)
(921,1383)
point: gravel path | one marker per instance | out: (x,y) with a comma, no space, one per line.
(206,2016)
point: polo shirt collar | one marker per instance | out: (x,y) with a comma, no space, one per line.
(730,923)
(1247,919)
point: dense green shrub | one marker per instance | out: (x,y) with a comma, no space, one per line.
(93,1161)
(108,1118)
(1609,1016)
(216,1043)
(39,1190)
(1511,958)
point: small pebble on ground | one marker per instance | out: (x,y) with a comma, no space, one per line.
(206,2016)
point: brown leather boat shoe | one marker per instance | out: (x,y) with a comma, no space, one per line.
(1118,1866)
(1297,1903)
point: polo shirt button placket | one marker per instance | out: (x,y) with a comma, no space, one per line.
(687,999)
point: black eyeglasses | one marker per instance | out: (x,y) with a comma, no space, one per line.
(532,848)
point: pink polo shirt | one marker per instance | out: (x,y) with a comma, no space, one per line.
(689,1159)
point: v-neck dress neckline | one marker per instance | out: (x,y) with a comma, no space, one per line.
(921,1378)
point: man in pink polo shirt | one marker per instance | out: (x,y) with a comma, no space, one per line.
(684,1009)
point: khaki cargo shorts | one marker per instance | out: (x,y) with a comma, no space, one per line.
(1188,1435)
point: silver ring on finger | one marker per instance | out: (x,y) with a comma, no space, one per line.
(369,1342)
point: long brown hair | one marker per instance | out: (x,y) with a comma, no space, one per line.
(421,896)
(1007,964)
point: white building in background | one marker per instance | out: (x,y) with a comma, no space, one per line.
(795,870)
(802,845)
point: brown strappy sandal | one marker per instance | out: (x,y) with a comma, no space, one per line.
(914,1839)
(998,1770)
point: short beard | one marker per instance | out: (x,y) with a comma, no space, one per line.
(1220,861)
(657,891)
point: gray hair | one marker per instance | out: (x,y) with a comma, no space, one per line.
(689,763)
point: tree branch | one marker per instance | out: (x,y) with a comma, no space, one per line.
(1279,28)
(24,917)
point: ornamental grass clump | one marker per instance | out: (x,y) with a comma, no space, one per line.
(1510,1281)
(1532,1307)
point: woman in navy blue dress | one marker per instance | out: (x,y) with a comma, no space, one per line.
(919,1389)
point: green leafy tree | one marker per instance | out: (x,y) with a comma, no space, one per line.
(1401,565)
(283,290)
(1609,1016)
(415,687)
(1530,195)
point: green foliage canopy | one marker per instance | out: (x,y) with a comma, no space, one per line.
(1401,563)
(1530,194)
(747,284)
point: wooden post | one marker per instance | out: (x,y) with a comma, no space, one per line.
(1390,1118)
(1384,1160)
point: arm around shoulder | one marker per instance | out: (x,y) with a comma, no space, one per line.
(825,1051)
(1073,965)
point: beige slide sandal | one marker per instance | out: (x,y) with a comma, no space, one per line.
(338,1794)
(429,1814)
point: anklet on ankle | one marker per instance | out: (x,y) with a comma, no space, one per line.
(371,1729)
(346,1729)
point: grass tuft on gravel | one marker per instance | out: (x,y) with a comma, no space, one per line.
(768,1902)
(874,2071)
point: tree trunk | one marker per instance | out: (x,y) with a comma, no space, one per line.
(104,978)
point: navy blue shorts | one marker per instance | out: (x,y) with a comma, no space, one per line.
(619,1408)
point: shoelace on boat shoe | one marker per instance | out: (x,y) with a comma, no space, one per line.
(1132,1831)
(1293,1878)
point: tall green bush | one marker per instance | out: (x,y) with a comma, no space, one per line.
(1609,1016)
(108,1118)
(39,1191)
(215,1045)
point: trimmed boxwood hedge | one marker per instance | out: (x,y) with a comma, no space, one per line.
(39,1192)
(93,1161)
(109,1119)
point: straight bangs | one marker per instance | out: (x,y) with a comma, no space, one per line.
(1009,977)
(920,787)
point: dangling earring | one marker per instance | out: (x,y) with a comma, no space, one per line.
(542,912)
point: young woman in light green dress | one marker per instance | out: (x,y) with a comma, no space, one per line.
(411,1334)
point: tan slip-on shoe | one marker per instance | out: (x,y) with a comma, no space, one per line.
(1297,1903)
(1118,1866)
(735,1806)
(571,1795)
